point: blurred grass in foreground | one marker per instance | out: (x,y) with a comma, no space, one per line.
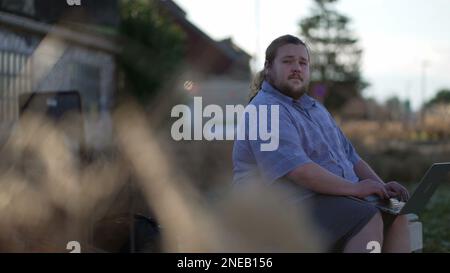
(50,195)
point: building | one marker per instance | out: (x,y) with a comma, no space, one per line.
(205,55)
(49,46)
(217,71)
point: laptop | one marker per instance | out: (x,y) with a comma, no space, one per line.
(436,174)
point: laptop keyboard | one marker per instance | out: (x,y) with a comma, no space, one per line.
(395,204)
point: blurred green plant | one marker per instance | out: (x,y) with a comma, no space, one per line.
(153,48)
(441,97)
(436,221)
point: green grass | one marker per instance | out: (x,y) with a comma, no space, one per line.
(436,222)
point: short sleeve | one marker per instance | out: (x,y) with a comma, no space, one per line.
(288,154)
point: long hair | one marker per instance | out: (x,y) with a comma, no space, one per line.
(271,52)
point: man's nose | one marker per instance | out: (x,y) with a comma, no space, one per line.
(296,67)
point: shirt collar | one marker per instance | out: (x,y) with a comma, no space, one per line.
(304,101)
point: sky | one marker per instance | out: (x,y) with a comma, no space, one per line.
(406,43)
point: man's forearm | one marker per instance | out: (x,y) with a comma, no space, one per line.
(314,177)
(364,171)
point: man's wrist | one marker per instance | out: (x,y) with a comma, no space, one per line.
(350,189)
(374,178)
(380,180)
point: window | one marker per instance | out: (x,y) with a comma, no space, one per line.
(15,78)
(86,79)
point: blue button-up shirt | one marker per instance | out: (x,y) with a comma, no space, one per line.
(307,133)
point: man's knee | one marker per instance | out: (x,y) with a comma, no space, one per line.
(400,222)
(376,224)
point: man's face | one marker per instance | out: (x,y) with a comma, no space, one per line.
(289,71)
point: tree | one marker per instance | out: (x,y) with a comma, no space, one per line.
(397,108)
(335,55)
(152,50)
(442,97)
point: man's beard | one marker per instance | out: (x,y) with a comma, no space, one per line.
(294,91)
(288,90)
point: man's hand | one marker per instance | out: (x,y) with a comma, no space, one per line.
(368,187)
(395,189)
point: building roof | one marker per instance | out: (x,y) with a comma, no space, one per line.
(79,35)
(205,53)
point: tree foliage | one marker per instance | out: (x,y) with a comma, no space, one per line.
(152,49)
(335,55)
(441,97)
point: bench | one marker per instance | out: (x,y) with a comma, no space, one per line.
(415,233)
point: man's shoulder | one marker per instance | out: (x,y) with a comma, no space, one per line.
(265,98)
(269,102)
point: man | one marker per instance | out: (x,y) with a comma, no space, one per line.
(315,156)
